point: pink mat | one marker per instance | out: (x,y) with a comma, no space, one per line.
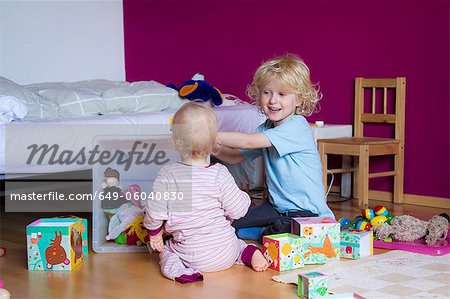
(418,246)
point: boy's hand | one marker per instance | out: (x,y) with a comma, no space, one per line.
(156,241)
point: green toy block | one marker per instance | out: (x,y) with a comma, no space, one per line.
(312,285)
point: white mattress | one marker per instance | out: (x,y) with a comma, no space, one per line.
(16,136)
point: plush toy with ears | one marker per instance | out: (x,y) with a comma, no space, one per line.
(408,228)
(197,89)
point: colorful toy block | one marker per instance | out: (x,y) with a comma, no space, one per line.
(57,243)
(283,251)
(312,285)
(321,238)
(356,243)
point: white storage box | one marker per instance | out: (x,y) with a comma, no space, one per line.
(140,174)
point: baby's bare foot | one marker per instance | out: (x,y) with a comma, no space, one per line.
(259,263)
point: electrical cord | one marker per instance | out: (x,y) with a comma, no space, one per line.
(331,183)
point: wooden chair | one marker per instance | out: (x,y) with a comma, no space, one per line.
(361,148)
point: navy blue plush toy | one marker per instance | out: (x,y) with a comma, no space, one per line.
(197,89)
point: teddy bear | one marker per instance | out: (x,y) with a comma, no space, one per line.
(408,228)
(197,89)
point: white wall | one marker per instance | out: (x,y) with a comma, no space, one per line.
(43,41)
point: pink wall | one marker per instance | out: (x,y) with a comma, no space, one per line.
(170,40)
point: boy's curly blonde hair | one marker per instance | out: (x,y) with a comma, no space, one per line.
(194,130)
(291,71)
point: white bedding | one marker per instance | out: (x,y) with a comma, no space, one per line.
(11,109)
(54,100)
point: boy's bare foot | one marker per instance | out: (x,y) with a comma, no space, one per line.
(259,263)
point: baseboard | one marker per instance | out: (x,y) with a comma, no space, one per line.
(411,199)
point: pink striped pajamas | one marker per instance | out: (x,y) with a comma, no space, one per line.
(200,223)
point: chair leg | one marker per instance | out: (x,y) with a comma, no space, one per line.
(363,177)
(324,161)
(398,179)
(346,178)
(355,177)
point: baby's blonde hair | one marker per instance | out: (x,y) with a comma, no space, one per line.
(194,130)
(291,71)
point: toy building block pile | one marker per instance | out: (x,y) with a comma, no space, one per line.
(317,240)
(314,240)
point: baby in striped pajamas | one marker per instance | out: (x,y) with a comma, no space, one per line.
(208,200)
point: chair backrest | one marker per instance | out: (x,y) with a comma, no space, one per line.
(397,118)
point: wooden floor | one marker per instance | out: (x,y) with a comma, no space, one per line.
(137,275)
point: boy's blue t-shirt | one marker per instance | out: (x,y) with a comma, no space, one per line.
(293,167)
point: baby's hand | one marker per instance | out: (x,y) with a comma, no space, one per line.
(156,241)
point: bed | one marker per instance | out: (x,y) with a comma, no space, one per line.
(74,113)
